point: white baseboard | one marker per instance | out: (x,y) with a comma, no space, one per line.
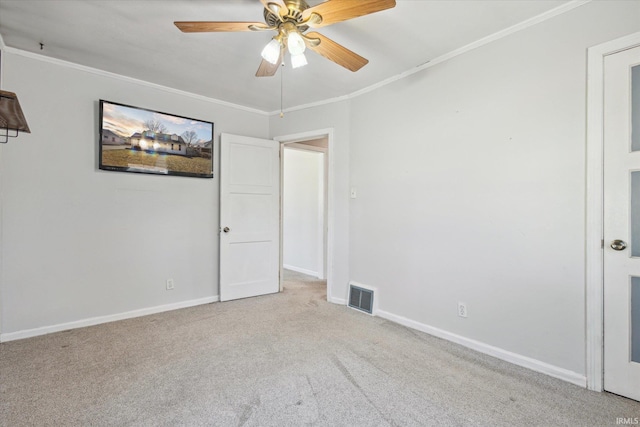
(28,333)
(516,359)
(340,301)
(301,270)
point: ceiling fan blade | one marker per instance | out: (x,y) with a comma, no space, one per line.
(267,69)
(211,27)
(333,11)
(336,52)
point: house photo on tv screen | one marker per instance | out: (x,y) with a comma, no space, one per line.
(145,141)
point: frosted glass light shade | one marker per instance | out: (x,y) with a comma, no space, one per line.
(298,60)
(271,52)
(295,43)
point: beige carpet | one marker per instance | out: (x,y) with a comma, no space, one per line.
(289,359)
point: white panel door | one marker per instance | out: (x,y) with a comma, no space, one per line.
(249,217)
(622,223)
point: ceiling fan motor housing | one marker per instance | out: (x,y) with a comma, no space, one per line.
(293,15)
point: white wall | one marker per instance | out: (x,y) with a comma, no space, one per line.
(471,187)
(334,116)
(303,211)
(81,243)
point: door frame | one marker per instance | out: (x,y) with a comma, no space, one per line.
(594,253)
(330,202)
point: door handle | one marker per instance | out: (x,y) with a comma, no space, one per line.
(618,245)
(226,229)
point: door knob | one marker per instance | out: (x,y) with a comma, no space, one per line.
(618,245)
(226,229)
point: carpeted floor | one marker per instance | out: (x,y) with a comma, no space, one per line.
(289,359)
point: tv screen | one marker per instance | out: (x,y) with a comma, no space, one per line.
(138,140)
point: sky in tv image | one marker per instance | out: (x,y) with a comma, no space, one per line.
(125,121)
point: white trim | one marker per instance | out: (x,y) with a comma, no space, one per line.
(300,270)
(499,353)
(566,7)
(306,136)
(28,333)
(103,73)
(301,146)
(313,104)
(595,204)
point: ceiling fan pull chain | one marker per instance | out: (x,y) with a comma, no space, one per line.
(281,90)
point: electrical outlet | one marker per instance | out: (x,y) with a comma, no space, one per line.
(462,309)
(169,284)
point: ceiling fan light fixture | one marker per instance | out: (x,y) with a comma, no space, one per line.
(298,60)
(291,19)
(271,52)
(295,43)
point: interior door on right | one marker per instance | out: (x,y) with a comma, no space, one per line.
(622,223)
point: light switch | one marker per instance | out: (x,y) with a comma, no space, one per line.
(354,193)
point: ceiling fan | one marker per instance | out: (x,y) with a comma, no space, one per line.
(291,19)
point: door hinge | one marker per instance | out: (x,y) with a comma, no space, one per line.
(602,244)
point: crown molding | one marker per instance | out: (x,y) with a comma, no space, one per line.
(109,74)
(564,8)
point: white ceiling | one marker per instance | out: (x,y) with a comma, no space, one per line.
(137,38)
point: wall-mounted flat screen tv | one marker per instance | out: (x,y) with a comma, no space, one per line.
(138,140)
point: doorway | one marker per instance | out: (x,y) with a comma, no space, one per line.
(250,213)
(314,148)
(303,207)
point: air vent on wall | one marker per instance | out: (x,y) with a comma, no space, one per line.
(361,299)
